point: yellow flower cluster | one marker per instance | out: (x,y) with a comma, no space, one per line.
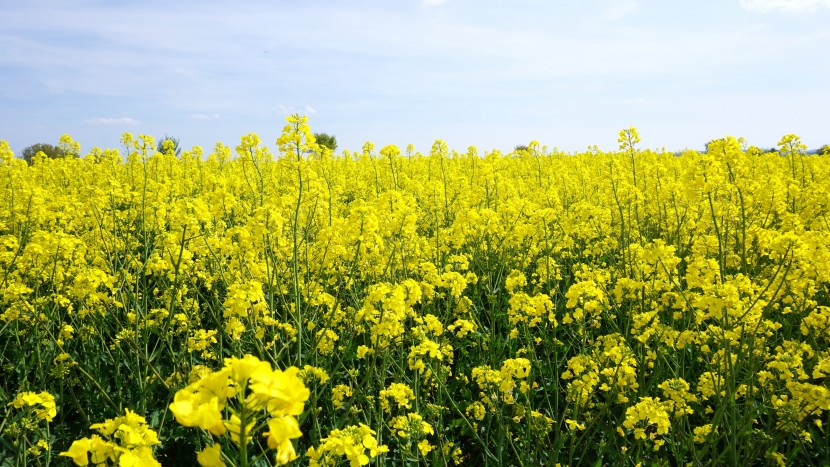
(125,440)
(501,385)
(611,367)
(246,389)
(648,419)
(412,428)
(20,429)
(339,393)
(524,308)
(677,395)
(353,442)
(399,393)
(43,404)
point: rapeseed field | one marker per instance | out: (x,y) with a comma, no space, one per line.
(256,308)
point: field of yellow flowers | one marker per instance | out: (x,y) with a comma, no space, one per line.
(536,308)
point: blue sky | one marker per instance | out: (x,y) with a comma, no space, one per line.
(488,73)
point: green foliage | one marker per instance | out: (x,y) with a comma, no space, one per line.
(52,152)
(327,140)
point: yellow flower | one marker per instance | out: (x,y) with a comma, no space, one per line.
(211,456)
(310,373)
(43,402)
(399,392)
(363,350)
(235,430)
(257,387)
(462,327)
(476,410)
(701,433)
(141,457)
(191,412)
(79,451)
(411,426)
(127,441)
(282,392)
(280,432)
(425,447)
(351,442)
(338,394)
(647,412)
(241,369)
(574,425)
(326,339)
(628,138)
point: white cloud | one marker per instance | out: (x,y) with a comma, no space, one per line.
(309,109)
(204,116)
(433,2)
(766,6)
(112,121)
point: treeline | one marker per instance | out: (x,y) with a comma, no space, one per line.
(67,148)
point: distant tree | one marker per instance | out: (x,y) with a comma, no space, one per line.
(324,139)
(520,147)
(824,150)
(175,145)
(755,150)
(52,152)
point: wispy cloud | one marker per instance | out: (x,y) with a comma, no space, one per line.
(766,6)
(204,116)
(284,109)
(112,121)
(456,67)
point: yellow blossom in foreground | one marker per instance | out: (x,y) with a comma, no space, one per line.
(281,430)
(211,456)
(216,403)
(124,440)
